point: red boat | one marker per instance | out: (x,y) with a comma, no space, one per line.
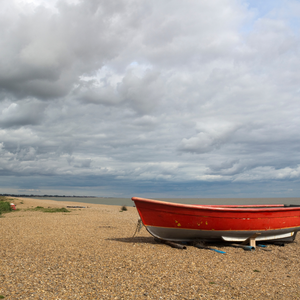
(234,223)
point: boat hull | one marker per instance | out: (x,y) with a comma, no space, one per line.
(180,222)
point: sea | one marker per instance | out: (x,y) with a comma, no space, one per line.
(206,201)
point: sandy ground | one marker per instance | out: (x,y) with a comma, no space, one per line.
(90,253)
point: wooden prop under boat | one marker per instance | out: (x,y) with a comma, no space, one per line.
(232,223)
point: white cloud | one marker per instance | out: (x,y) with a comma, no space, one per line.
(210,136)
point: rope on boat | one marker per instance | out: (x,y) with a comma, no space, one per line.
(138,228)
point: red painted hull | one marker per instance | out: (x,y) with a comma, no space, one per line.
(182,222)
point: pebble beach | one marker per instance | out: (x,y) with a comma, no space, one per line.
(90,253)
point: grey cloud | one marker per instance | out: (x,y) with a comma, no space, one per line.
(142,94)
(226,168)
(146,121)
(91,92)
(210,137)
(26,154)
(17,114)
(44,53)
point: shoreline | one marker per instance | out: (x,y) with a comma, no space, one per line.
(25,202)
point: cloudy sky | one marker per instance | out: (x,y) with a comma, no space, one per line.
(150,98)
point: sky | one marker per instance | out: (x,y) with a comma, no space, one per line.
(150,98)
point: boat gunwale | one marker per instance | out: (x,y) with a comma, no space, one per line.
(227,208)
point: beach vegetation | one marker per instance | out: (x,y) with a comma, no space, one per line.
(4,206)
(2,297)
(49,209)
(256,270)
(123,208)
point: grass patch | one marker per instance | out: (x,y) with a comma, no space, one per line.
(2,297)
(256,271)
(4,206)
(49,209)
(123,208)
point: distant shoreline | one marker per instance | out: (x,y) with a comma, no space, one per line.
(52,196)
